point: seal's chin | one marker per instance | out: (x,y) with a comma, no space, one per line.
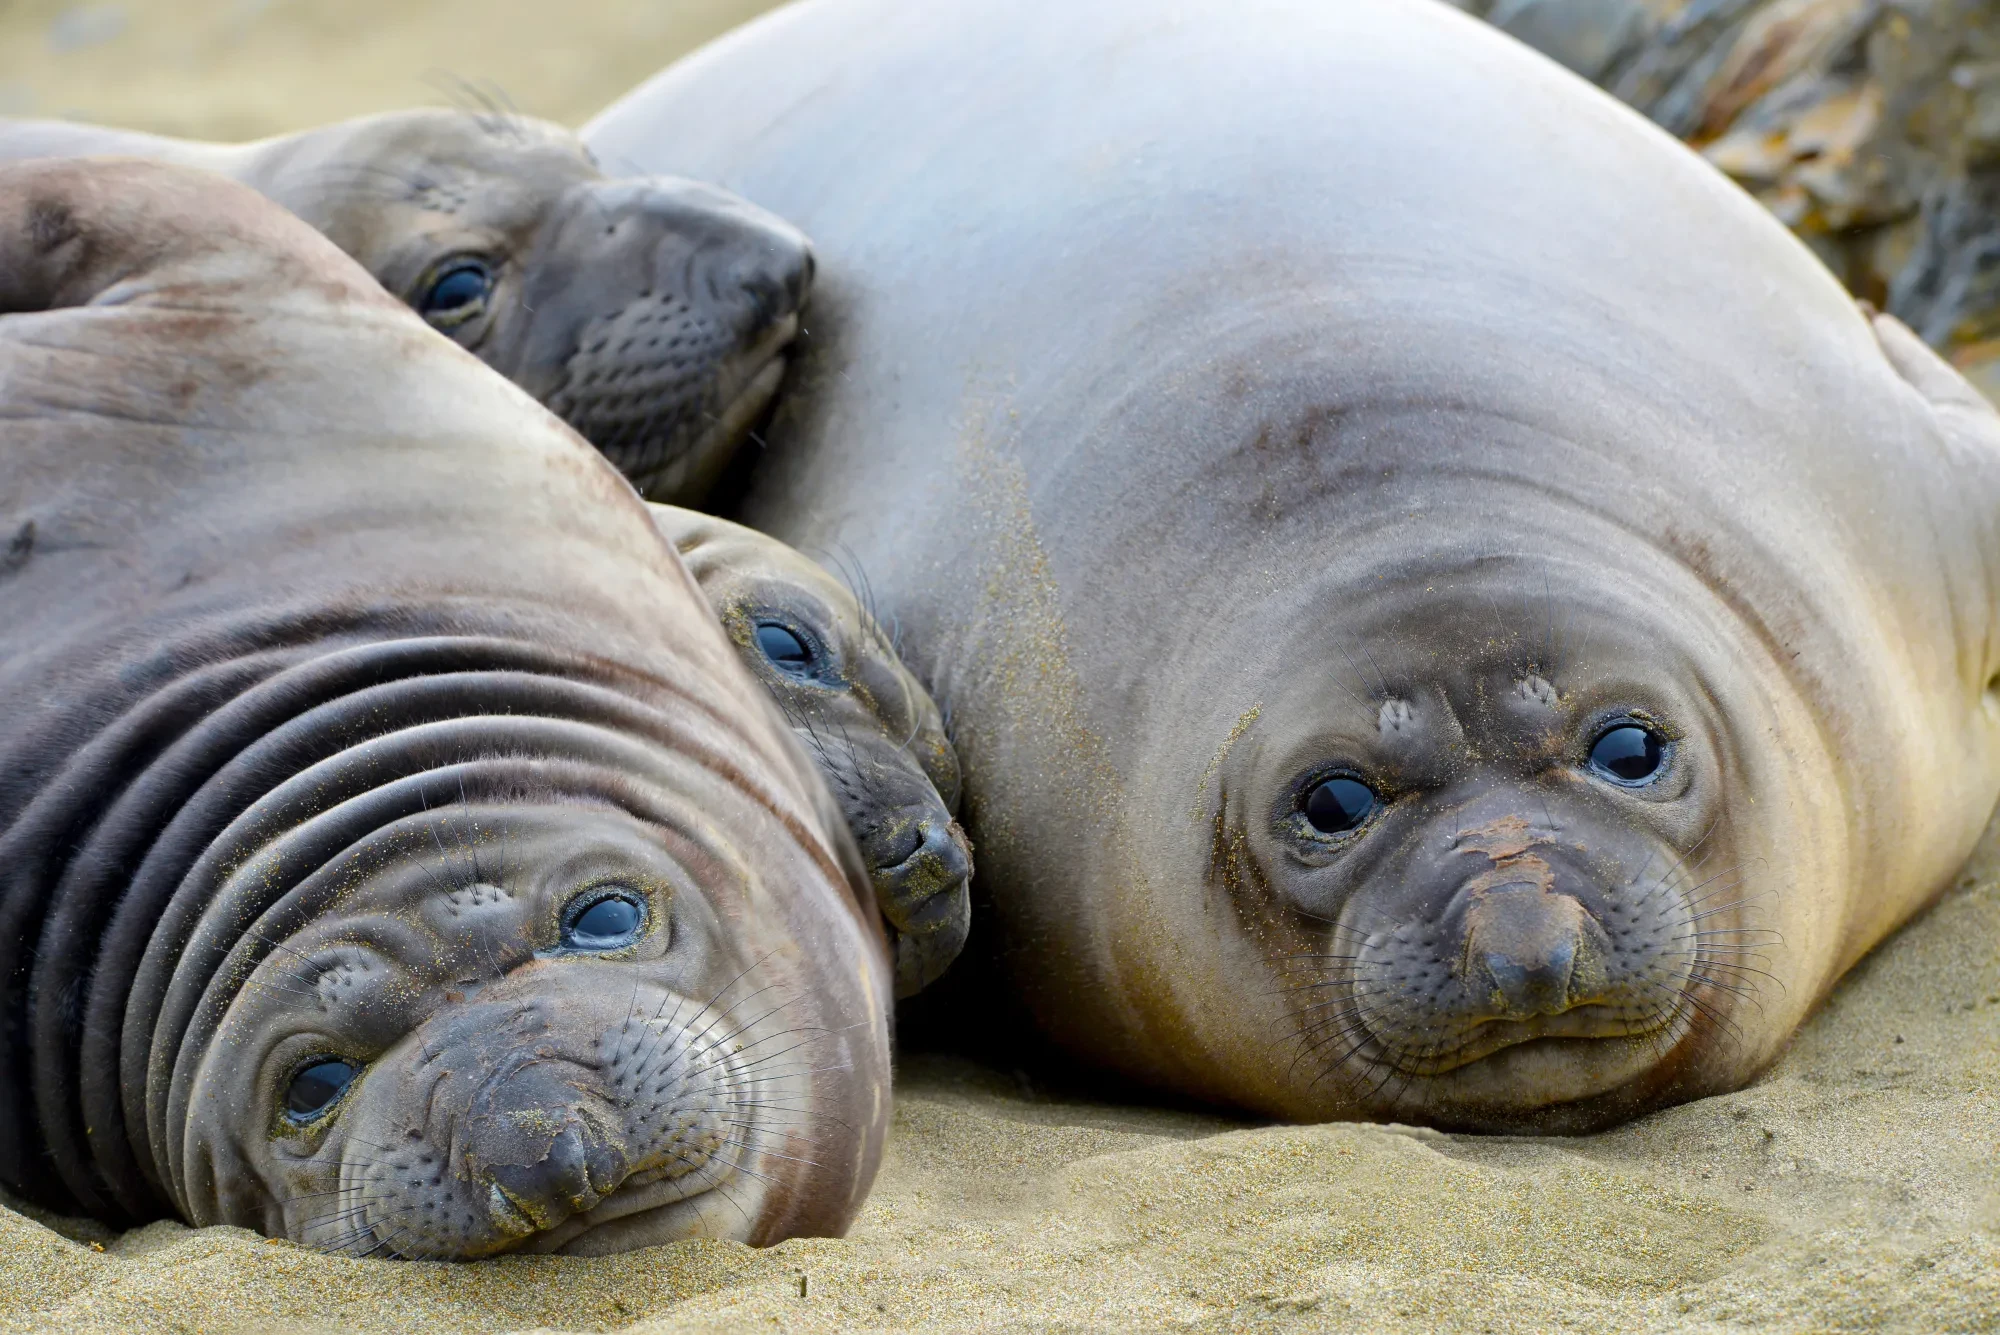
(652,1216)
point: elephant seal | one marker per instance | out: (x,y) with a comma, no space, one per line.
(1449,613)
(867,722)
(653,315)
(407,870)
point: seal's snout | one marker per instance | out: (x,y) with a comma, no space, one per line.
(774,271)
(682,302)
(1509,931)
(921,863)
(542,1147)
(1527,943)
(562,1182)
(724,250)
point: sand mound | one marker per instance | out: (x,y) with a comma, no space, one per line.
(1857,1187)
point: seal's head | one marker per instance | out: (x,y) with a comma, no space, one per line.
(1503,856)
(867,722)
(652,314)
(530,1028)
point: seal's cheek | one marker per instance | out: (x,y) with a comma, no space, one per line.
(294,1054)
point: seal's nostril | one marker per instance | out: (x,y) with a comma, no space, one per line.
(895,841)
(1538,985)
(1526,943)
(917,847)
(767,294)
(777,281)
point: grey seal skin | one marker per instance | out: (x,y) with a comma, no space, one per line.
(654,315)
(1449,613)
(868,723)
(409,867)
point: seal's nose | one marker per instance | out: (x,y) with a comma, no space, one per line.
(921,863)
(542,1149)
(1526,943)
(917,850)
(551,1189)
(775,270)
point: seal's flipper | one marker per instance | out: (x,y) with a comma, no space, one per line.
(1932,376)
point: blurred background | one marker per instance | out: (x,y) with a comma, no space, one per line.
(1871,127)
(242,69)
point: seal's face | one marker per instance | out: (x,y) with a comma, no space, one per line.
(528,1031)
(867,723)
(1495,876)
(653,314)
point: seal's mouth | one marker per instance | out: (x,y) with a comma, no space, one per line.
(655,1206)
(745,387)
(510,1217)
(1480,1038)
(668,394)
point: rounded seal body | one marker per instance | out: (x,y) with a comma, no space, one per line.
(654,314)
(1449,612)
(405,867)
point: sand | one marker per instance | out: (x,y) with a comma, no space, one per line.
(1856,1187)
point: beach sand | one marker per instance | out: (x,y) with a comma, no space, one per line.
(1855,1187)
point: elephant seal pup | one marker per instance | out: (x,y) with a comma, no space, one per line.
(652,314)
(407,870)
(1449,613)
(864,718)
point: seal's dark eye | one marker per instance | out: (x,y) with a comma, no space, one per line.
(314,1089)
(607,922)
(1627,754)
(786,649)
(1338,805)
(457,294)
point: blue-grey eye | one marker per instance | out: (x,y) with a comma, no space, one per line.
(1627,754)
(315,1087)
(457,294)
(786,649)
(608,922)
(1338,805)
